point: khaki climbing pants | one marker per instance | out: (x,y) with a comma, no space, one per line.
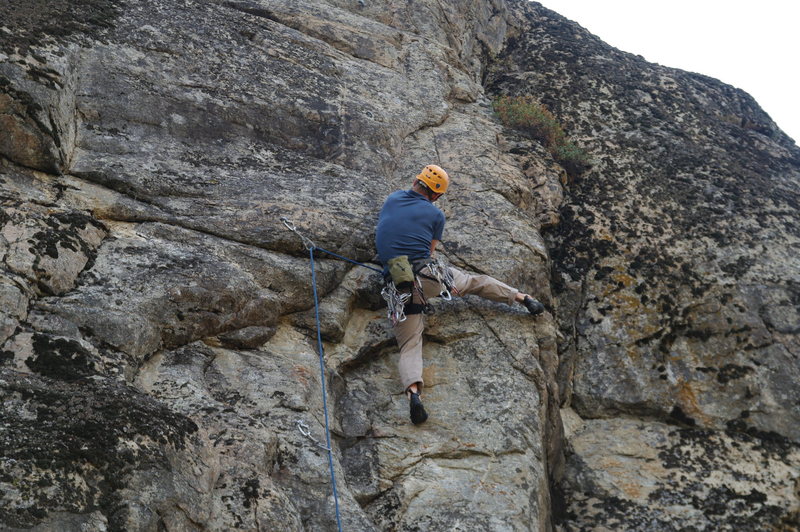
(409,332)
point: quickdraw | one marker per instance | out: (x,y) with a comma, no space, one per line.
(307,242)
(306,431)
(400,303)
(396,301)
(440,271)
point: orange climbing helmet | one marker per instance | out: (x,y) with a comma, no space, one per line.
(435,178)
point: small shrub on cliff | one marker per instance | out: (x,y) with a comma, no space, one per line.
(574,160)
(529,116)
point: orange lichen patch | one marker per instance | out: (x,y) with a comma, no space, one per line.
(631,489)
(302,374)
(635,320)
(633,352)
(631,320)
(687,400)
(624,303)
(483,486)
(603,234)
(624,278)
(621,471)
(212,341)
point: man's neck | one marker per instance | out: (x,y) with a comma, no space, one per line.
(422,193)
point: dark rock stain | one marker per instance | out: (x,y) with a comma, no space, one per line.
(39,22)
(77,433)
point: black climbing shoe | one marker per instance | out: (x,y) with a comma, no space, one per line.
(418,413)
(533,306)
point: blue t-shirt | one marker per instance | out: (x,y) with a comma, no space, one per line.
(407,224)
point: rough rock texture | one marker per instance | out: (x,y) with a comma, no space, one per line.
(676,270)
(644,475)
(143,182)
(157,334)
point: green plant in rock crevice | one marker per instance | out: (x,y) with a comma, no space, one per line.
(526,114)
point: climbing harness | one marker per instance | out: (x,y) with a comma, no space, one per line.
(419,308)
(439,271)
(301,426)
(400,302)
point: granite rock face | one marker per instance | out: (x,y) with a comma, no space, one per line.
(676,271)
(158,359)
(646,475)
(143,183)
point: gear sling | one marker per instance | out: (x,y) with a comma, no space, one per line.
(402,281)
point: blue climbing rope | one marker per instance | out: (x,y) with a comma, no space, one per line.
(350,260)
(309,244)
(322,380)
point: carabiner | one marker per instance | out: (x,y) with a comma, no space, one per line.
(303,428)
(288,223)
(307,242)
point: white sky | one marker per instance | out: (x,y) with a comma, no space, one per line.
(752,45)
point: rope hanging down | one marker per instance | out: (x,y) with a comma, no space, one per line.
(302,427)
(322,381)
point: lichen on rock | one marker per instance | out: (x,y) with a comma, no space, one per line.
(158,354)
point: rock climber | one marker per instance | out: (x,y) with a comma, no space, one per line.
(409,228)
